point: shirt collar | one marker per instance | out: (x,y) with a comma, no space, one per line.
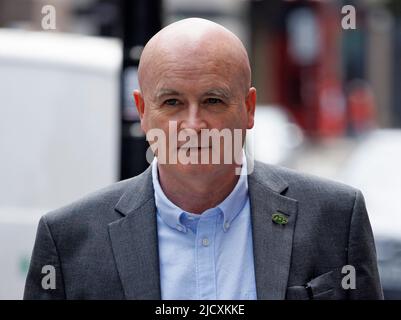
(230,206)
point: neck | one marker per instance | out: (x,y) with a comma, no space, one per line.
(197,192)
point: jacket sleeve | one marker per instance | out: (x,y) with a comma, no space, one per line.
(44,280)
(362,254)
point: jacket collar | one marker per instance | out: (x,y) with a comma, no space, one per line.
(134,240)
(272,242)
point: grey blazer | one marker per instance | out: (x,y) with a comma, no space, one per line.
(105,245)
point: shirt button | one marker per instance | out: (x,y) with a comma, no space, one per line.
(226,225)
(205,242)
(179,228)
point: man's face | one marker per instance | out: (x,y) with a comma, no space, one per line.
(197,93)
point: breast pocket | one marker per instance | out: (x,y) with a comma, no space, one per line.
(319,288)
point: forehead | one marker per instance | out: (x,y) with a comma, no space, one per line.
(194,74)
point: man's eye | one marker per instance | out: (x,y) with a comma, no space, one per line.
(213,100)
(171,102)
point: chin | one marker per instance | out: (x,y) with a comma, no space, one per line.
(198,169)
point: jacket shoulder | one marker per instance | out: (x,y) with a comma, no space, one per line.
(293,177)
(304,183)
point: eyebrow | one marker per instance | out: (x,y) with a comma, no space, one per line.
(166,92)
(221,92)
(218,92)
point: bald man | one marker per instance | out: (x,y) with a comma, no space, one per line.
(204,221)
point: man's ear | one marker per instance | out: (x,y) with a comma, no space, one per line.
(250,107)
(139,102)
(140,106)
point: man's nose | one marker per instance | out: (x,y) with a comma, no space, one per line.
(194,119)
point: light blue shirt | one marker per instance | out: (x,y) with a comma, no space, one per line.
(206,256)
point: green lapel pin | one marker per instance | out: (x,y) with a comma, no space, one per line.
(279,218)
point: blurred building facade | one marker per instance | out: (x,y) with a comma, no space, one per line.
(310,65)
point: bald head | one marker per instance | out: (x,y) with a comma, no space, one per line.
(194,42)
(194,75)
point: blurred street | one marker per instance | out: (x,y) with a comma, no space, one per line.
(323,158)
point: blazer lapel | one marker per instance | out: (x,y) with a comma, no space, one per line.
(134,240)
(272,242)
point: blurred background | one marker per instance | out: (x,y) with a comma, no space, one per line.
(329,103)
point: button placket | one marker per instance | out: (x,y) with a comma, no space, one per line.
(206,278)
